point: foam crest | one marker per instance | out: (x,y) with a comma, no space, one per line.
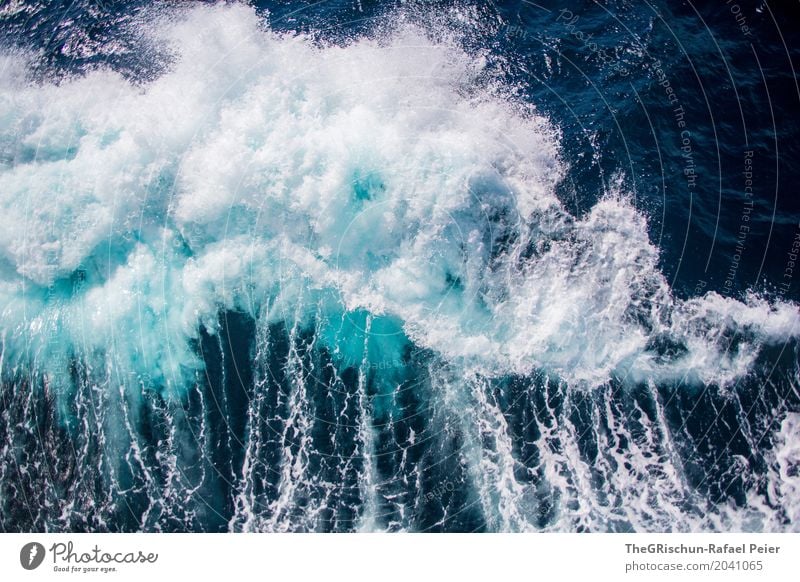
(263,168)
(787,463)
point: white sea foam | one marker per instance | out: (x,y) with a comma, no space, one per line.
(266,173)
(261,163)
(786,492)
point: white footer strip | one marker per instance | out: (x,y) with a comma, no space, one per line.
(399,557)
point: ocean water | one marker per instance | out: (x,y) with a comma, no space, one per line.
(399,266)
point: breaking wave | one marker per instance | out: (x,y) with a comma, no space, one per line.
(290,285)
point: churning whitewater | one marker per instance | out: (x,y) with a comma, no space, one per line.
(296,286)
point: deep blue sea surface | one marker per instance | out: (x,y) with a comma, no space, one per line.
(399,266)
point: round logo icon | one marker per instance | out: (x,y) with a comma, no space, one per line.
(31,555)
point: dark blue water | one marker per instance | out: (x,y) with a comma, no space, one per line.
(623,357)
